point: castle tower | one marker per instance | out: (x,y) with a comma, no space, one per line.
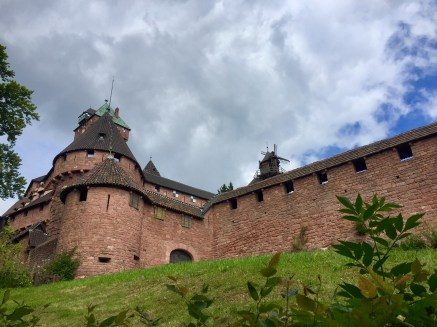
(269,166)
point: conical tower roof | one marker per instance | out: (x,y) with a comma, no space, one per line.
(151,169)
(106,173)
(102,135)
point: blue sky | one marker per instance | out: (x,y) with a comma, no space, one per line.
(205,85)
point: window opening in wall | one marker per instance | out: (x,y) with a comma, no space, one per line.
(157,188)
(180,256)
(136,258)
(107,203)
(404,151)
(233,203)
(134,200)
(41,208)
(323,177)
(193,199)
(102,136)
(159,213)
(25,213)
(64,156)
(186,221)
(360,165)
(175,194)
(83,193)
(117,157)
(104,259)
(90,153)
(289,187)
(259,195)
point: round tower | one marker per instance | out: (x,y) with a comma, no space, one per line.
(102,220)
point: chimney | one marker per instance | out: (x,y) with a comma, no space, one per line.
(117,112)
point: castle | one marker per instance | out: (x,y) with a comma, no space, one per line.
(96,198)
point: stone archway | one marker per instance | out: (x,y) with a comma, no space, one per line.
(180,256)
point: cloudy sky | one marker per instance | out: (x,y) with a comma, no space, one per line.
(205,85)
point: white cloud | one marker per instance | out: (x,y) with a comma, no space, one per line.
(204,85)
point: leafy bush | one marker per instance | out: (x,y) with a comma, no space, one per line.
(360,228)
(13,313)
(13,273)
(299,241)
(413,242)
(431,238)
(64,265)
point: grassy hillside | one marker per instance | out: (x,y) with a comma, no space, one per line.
(227,280)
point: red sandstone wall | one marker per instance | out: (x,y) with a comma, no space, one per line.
(269,226)
(98,232)
(34,214)
(160,237)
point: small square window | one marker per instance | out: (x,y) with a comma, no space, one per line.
(186,221)
(83,194)
(159,213)
(289,187)
(90,153)
(193,199)
(134,200)
(41,208)
(157,188)
(104,259)
(117,157)
(233,203)
(25,213)
(322,177)
(259,195)
(175,194)
(404,151)
(360,165)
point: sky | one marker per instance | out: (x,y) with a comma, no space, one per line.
(206,85)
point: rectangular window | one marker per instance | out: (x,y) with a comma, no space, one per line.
(360,165)
(404,151)
(134,200)
(90,153)
(175,194)
(157,188)
(117,157)
(83,194)
(233,203)
(104,259)
(289,187)
(186,221)
(259,195)
(25,213)
(159,213)
(193,199)
(323,177)
(41,208)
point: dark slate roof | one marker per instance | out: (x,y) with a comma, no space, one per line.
(106,173)
(36,234)
(20,204)
(91,140)
(173,185)
(151,168)
(173,204)
(367,150)
(110,173)
(36,180)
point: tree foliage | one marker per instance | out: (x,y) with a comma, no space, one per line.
(225,188)
(16,111)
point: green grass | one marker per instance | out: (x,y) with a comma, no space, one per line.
(227,280)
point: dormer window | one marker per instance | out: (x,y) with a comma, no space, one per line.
(102,136)
(157,188)
(90,153)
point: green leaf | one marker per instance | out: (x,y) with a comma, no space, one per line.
(275,260)
(351,218)
(345,202)
(390,230)
(413,221)
(305,302)
(266,291)
(273,281)
(432,281)
(367,288)
(398,222)
(417,289)
(352,290)
(368,254)
(380,241)
(401,269)
(344,251)
(252,291)
(6,296)
(20,312)
(267,307)
(359,203)
(268,271)
(108,322)
(121,317)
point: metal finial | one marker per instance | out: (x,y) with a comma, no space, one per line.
(110,97)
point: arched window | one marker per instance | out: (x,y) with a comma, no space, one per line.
(180,256)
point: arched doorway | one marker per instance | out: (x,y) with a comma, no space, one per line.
(180,256)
